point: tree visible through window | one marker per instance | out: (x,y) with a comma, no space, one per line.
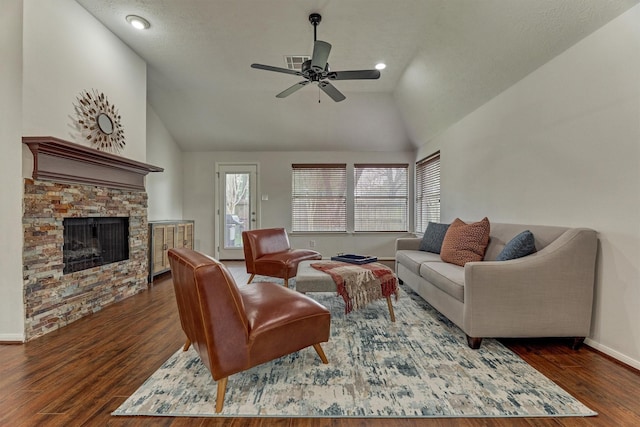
(236,207)
(381,197)
(427,191)
(237,188)
(318,197)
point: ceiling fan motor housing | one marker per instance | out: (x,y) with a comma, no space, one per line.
(309,72)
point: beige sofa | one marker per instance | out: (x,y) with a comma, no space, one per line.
(546,294)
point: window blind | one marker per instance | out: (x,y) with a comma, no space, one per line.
(381,196)
(318,197)
(427,191)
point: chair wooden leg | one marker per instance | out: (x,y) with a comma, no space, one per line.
(391,313)
(286,282)
(222,389)
(186,345)
(251,278)
(320,353)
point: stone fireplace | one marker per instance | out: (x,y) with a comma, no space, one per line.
(54,296)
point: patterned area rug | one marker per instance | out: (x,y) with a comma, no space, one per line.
(420,366)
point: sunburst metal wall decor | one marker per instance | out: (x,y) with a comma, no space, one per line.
(99,121)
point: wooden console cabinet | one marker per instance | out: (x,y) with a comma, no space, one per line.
(165,235)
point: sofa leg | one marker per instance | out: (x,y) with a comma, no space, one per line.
(474,343)
(577,343)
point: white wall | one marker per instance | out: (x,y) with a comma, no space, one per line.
(274,180)
(562,147)
(163,188)
(11,289)
(51,50)
(67,51)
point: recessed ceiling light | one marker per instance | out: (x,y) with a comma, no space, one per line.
(138,22)
(381,66)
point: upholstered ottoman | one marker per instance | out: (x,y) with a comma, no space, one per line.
(311,280)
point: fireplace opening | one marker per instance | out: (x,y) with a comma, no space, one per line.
(91,242)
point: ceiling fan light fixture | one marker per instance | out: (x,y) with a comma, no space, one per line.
(138,22)
(381,66)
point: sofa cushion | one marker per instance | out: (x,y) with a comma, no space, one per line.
(433,237)
(464,242)
(447,277)
(412,259)
(521,245)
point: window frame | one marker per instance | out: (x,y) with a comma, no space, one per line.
(428,175)
(359,195)
(300,216)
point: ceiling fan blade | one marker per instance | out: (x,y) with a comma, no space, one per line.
(354,75)
(292,89)
(320,55)
(276,69)
(331,90)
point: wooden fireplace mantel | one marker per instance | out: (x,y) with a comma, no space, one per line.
(55,159)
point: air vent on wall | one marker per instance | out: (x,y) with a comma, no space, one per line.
(294,62)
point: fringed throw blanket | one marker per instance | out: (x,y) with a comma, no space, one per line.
(360,284)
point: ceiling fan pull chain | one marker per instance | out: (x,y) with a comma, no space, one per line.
(318,94)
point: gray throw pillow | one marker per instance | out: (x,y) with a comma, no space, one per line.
(521,245)
(433,237)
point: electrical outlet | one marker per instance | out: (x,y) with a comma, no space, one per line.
(312,243)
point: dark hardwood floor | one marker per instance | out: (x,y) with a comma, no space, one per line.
(79,374)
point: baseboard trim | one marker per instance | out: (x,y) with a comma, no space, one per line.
(622,358)
(11,338)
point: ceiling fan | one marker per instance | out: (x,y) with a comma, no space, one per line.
(317,69)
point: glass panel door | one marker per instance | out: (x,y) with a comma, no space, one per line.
(238,208)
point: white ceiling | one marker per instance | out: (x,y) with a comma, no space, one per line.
(201,85)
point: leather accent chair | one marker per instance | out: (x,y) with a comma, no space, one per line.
(267,252)
(236,328)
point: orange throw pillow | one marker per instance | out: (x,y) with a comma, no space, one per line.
(464,242)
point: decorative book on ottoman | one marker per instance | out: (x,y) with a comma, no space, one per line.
(354,259)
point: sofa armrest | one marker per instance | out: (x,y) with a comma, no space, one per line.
(408,243)
(548,293)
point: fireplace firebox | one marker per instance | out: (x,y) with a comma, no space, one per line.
(93,241)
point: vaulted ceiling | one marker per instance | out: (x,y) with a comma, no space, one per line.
(449,56)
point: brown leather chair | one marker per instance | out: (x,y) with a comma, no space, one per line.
(267,252)
(235,328)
